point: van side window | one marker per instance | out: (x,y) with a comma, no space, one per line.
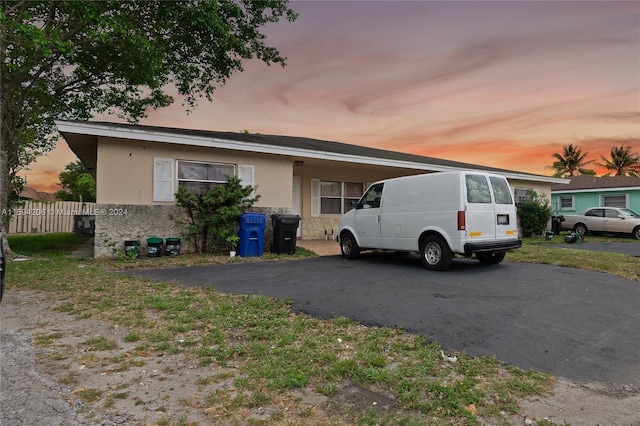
(477,189)
(371,199)
(501,190)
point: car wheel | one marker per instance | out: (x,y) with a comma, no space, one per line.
(435,253)
(636,232)
(491,258)
(349,247)
(581,228)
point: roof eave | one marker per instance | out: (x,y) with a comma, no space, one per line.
(116,130)
(611,189)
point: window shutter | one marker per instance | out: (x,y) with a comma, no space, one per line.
(163,180)
(315,197)
(245,173)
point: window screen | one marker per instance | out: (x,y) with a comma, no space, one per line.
(614,201)
(199,177)
(336,197)
(566,202)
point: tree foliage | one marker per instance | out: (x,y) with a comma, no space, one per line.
(212,213)
(623,162)
(571,162)
(534,213)
(73,59)
(77,184)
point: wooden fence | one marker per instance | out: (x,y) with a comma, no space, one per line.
(41,216)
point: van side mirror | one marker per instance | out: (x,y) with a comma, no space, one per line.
(355,205)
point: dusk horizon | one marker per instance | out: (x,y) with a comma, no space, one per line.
(496,84)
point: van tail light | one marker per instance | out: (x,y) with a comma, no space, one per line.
(462,221)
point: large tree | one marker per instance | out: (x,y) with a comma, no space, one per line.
(571,162)
(75,59)
(623,162)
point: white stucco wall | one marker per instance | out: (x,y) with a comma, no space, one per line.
(125,171)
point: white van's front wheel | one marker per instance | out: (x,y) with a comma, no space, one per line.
(435,253)
(348,246)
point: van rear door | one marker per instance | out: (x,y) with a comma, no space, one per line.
(480,211)
(504,207)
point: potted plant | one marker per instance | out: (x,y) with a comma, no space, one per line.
(233,242)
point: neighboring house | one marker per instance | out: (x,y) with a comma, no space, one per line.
(138,169)
(29,193)
(591,191)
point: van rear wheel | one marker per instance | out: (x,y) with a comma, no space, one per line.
(491,258)
(349,247)
(435,253)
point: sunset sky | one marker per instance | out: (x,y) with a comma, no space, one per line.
(500,83)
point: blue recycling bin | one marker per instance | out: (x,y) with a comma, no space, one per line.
(251,233)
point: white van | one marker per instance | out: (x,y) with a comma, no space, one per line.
(437,215)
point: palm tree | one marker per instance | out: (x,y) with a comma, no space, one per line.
(571,162)
(623,162)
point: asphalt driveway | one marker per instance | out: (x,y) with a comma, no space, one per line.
(581,325)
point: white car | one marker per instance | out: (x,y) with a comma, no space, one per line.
(608,220)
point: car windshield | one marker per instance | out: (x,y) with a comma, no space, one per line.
(628,212)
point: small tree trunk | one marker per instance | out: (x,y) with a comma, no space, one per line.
(4,199)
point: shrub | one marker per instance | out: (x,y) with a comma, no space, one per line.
(212,213)
(534,213)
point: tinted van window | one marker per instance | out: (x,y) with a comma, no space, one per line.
(477,189)
(501,190)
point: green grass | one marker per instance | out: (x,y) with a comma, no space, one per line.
(538,250)
(46,244)
(275,351)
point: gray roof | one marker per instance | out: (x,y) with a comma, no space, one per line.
(583,182)
(314,145)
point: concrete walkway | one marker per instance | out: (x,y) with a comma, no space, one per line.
(85,250)
(321,247)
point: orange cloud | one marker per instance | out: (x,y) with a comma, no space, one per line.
(43,174)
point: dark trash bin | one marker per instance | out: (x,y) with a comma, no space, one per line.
(555,224)
(285,227)
(172,247)
(154,247)
(251,233)
(84,224)
(132,248)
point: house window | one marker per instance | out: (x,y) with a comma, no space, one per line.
(199,177)
(565,202)
(336,197)
(614,201)
(522,194)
